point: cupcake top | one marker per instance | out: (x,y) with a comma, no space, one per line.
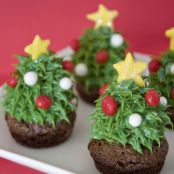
(97,49)
(162,71)
(40,90)
(128,112)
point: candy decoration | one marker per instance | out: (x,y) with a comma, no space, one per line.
(170,34)
(43,102)
(12,81)
(116,40)
(37,47)
(163,101)
(172,69)
(135,120)
(109,105)
(102,56)
(68,65)
(152,98)
(65,83)
(103,89)
(103,17)
(154,65)
(74,44)
(172,93)
(130,69)
(81,69)
(30,78)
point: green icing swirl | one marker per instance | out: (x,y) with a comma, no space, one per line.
(163,79)
(117,128)
(19,101)
(91,42)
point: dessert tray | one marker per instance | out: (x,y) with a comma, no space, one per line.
(71,157)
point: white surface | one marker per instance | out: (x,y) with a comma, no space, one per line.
(72,155)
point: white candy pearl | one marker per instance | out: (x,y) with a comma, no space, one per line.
(65,83)
(163,101)
(81,69)
(30,78)
(135,120)
(172,69)
(116,40)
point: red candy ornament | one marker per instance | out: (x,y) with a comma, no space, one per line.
(103,89)
(172,93)
(152,98)
(102,56)
(68,65)
(74,44)
(12,81)
(109,105)
(43,102)
(154,65)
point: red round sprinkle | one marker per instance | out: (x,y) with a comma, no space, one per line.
(154,65)
(102,56)
(68,65)
(12,81)
(109,105)
(103,89)
(75,44)
(152,98)
(43,102)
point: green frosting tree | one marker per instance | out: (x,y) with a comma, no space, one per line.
(162,72)
(40,90)
(97,49)
(129,112)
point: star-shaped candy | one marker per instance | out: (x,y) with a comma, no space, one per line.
(130,69)
(103,17)
(170,33)
(37,47)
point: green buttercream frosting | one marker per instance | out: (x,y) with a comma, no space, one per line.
(19,102)
(130,98)
(163,79)
(92,41)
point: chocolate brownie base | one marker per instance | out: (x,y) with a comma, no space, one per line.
(87,97)
(38,136)
(117,159)
(171,113)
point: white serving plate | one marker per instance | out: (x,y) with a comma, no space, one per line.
(71,157)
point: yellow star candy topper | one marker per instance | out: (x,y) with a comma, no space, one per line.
(37,47)
(103,17)
(130,69)
(170,33)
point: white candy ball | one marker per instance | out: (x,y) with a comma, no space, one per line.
(135,120)
(30,78)
(116,40)
(65,83)
(172,69)
(81,69)
(163,101)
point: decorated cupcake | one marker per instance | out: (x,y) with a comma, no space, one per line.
(127,135)
(162,74)
(39,101)
(95,52)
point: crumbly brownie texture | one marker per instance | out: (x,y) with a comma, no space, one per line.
(89,98)
(37,136)
(116,159)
